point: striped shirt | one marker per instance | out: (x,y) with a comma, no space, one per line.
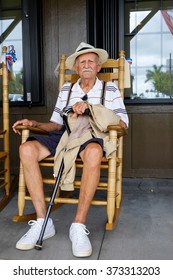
(112,99)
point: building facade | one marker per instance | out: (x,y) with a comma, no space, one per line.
(41,30)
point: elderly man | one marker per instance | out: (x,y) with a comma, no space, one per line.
(86,61)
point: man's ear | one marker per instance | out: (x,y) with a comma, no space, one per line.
(99,66)
(75,68)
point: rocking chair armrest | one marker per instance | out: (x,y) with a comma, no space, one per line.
(2,132)
(121,131)
(32,129)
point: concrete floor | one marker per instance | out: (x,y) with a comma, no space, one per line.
(144,230)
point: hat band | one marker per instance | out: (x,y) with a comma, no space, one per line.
(84,49)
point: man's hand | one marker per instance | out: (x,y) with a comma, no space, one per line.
(79,108)
(24,122)
(122,124)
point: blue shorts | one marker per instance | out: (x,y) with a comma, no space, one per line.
(52,139)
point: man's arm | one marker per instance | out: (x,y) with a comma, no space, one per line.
(50,126)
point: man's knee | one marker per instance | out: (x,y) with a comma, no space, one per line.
(27,150)
(93,154)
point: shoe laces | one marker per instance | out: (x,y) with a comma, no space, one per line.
(85,230)
(34,230)
(81,231)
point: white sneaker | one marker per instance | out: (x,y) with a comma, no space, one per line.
(81,246)
(29,239)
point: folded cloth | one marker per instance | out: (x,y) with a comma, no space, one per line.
(82,129)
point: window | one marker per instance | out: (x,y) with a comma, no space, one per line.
(20,23)
(149,43)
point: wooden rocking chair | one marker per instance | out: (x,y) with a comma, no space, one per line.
(113,167)
(4,136)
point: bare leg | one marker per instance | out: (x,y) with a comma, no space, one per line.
(31,152)
(91,157)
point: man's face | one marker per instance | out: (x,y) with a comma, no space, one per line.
(87,65)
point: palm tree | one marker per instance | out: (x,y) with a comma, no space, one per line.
(16,85)
(162,81)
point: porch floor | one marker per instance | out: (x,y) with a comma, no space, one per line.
(144,230)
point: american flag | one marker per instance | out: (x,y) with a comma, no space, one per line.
(168,17)
(10,57)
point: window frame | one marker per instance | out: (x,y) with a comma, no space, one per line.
(33,54)
(32,36)
(143,101)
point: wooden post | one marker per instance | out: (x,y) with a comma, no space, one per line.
(112,175)
(62,70)
(5,100)
(120,150)
(22,185)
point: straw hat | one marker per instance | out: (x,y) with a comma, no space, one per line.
(86,48)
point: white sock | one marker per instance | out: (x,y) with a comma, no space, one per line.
(42,219)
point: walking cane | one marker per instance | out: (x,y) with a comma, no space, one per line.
(38,245)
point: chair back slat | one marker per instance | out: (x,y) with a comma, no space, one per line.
(106,77)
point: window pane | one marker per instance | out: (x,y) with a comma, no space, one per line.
(149,42)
